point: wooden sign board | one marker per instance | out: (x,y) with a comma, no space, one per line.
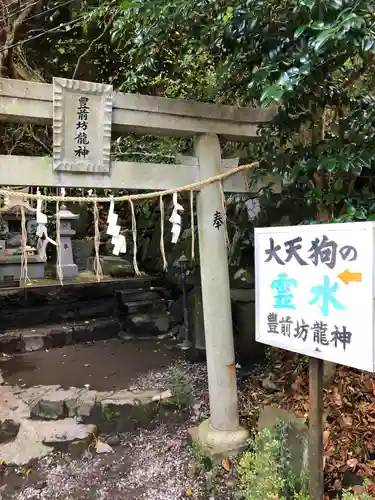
(82,119)
(315,291)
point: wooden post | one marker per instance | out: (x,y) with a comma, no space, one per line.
(316,450)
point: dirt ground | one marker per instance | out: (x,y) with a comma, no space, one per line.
(104,365)
(146,464)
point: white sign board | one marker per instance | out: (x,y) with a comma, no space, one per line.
(315,291)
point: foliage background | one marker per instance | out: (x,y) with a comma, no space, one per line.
(313,58)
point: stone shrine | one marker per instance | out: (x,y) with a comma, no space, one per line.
(10,251)
(68,267)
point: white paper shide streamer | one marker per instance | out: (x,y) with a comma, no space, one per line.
(175,219)
(41,230)
(118,240)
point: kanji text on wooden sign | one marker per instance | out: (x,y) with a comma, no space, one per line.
(82,118)
(314,291)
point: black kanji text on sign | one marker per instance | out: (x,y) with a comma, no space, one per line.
(320,250)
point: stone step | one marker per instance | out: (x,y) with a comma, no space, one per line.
(146,306)
(120,410)
(31,307)
(57,313)
(40,295)
(48,336)
(36,439)
(148,324)
(151,293)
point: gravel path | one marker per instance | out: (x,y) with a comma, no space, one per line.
(152,464)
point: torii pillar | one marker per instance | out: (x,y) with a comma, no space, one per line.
(221,433)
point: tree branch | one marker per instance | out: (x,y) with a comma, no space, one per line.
(87,51)
(12,33)
(39,141)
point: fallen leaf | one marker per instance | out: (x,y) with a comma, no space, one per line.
(347,420)
(358,489)
(326,435)
(337,485)
(367,470)
(336,397)
(102,447)
(226,464)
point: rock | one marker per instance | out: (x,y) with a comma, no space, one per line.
(164,395)
(32,342)
(297,435)
(117,267)
(82,251)
(243,313)
(85,404)
(113,440)
(40,485)
(103,447)
(37,439)
(1,379)
(56,404)
(8,430)
(151,323)
(32,395)
(62,434)
(242,278)
(269,385)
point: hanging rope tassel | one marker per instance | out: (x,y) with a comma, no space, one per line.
(24,277)
(97,265)
(224,207)
(134,231)
(162,249)
(192,225)
(59,270)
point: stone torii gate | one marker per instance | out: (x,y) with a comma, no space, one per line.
(39,103)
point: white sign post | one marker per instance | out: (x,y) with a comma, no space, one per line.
(315,291)
(315,296)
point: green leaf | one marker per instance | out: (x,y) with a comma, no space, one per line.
(228,15)
(128,5)
(371,217)
(351,210)
(329,164)
(272,93)
(308,3)
(322,39)
(356,168)
(299,31)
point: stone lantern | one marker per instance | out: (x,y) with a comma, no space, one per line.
(69,269)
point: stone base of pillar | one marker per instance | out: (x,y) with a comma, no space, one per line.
(219,444)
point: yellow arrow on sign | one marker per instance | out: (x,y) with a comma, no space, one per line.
(348,277)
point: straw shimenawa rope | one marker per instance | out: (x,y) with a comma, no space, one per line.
(97,264)
(224,207)
(134,231)
(162,249)
(131,197)
(192,227)
(59,271)
(24,277)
